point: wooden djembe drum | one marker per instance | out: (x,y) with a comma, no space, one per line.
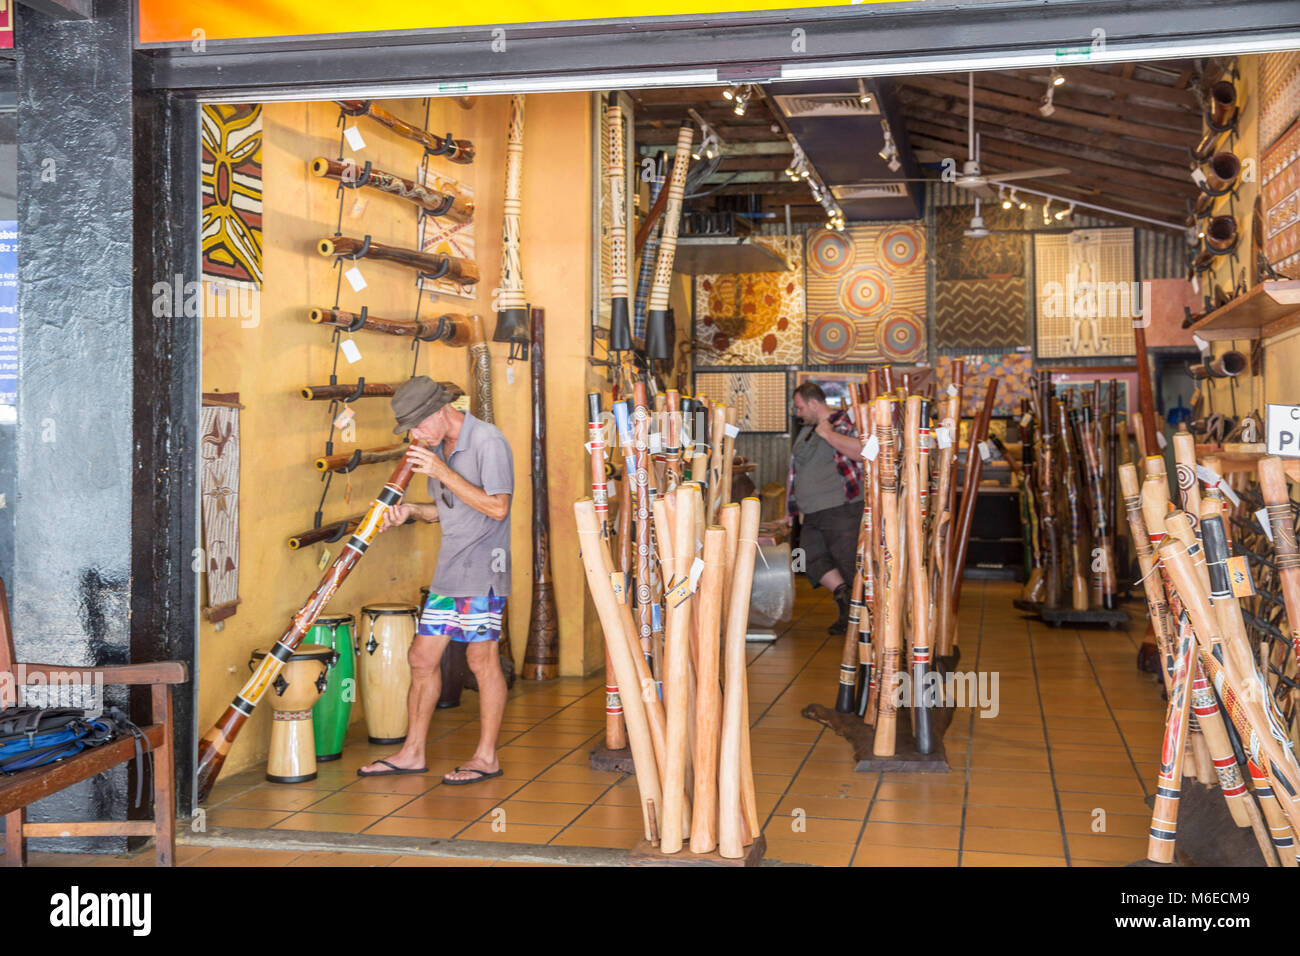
(296,690)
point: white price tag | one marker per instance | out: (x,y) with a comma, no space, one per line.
(342,418)
(731,430)
(1229,493)
(1208,475)
(1200,343)
(1262,517)
(510,373)
(1282,430)
(350,350)
(1196,285)
(952,390)
(1161,440)
(943,435)
(656,443)
(697,568)
(871,449)
(355,279)
(1025,419)
(1198,177)
(353,136)
(984,451)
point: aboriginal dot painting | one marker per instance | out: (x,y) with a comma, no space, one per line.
(866,294)
(1015,371)
(231,188)
(979,289)
(1086,294)
(752,318)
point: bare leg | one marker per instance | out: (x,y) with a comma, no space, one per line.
(483,660)
(426,684)
(832,579)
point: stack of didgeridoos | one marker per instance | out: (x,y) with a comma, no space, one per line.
(687,729)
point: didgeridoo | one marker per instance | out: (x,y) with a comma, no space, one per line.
(435,265)
(914,475)
(891,572)
(732,776)
(595,560)
(1281,519)
(216,743)
(450,329)
(457,150)
(435,202)
(708,695)
(966,516)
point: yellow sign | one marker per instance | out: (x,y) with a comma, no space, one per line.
(197,21)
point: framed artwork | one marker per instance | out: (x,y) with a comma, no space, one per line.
(1086,296)
(752,318)
(760,398)
(867,294)
(1280,202)
(836,385)
(1076,379)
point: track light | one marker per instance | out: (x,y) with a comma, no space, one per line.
(1006,201)
(1058,78)
(727,94)
(1068,211)
(1047,217)
(893,164)
(863,96)
(1047,109)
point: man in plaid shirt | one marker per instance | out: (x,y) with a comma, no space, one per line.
(825,489)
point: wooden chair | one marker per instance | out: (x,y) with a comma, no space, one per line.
(27,786)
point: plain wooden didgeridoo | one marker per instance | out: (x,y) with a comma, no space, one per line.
(594,560)
(708,695)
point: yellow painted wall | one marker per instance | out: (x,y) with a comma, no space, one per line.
(266,362)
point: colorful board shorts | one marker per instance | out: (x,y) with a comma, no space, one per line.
(465,619)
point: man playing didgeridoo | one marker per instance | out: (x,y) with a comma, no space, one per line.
(471,479)
(825,487)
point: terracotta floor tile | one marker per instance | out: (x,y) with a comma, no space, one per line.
(350,801)
(820,854)
(1108,847)
(247,819)
(909,834)
(542,814)
(826,808)
(344,859)
(1116,824)
(1011,797)
(604,837)
(271,797)
(610,817)
(1015,818)
(327,822)
(906,811)
(1003,840)
(236,856)
(562,792)
(447,805)
(813,830)
(512,833)
(870,854)
(416,827)
(1010,859)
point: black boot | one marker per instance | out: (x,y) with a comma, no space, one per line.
(842,602)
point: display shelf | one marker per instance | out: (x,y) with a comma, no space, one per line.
(1266,310)
(1233,463)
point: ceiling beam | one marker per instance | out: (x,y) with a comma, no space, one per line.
(1178,98)
(1028,107)
(730,162)
(1103,191)
(1175,118)
(1165,158)
(1169,190)
(738,134)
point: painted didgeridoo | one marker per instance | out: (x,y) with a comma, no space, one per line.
(542,648)
(435,202)
(434,265)
(216,743)
(450,329)
(457,150)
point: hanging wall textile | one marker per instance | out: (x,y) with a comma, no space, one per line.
(442,236)
(231,190)
(1279,94)
(866,294)
(752,318)
(1280,200)
(219,481)
(1016,369)
(759,398)
(979,289)
(1085,294)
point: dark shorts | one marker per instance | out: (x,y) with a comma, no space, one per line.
(465,619)
(829,540)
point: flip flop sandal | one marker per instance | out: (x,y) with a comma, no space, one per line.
(389,773)
(482,775)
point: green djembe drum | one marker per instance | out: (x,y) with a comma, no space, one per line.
(332,712)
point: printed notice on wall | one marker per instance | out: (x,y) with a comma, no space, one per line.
(8,312)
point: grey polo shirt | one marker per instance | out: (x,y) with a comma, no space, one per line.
(475,551)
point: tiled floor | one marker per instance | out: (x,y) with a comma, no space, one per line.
(1008,801)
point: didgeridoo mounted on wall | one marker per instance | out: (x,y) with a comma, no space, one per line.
(216,743)
(542,650)
(659,333)
(457,150)
(435,202)
(620,325)
(346,393)
(512,316)
(434,265)
(450,329)
(346,461)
